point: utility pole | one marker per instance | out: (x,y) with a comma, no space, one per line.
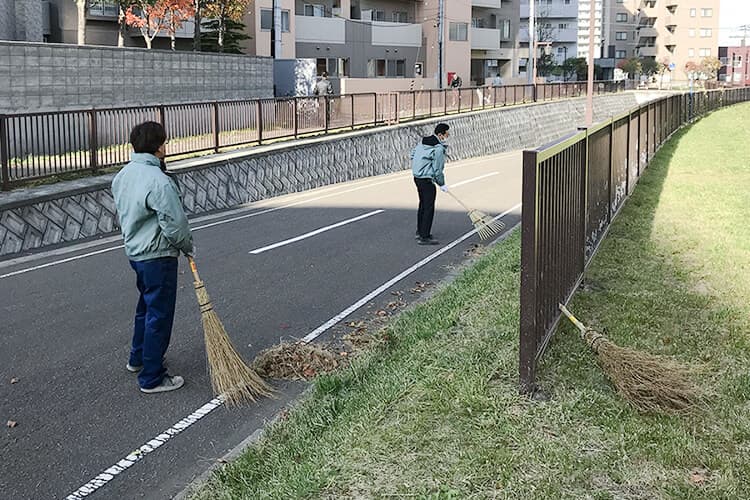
(590,83)
(440,21)
(530,74)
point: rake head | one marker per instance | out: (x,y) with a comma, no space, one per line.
(485,225)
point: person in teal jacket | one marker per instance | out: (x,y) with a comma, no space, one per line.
(427,164)
(156,231)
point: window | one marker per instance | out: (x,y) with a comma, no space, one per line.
(691,32)
(477,23)
(380,71)
(691,52)
(378,15)
(621,35)
(505,29)
(560,51)
(621,54)
(707,12)
(622,17)
(563,26)
(458,32)
(266,20)
(316,10)
(401,67)
(104,9)
(706,32)
(400,17)
(704,52)
(567,2)
(693,12)
(737,61)
(620,1)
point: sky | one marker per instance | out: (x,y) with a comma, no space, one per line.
(732,14)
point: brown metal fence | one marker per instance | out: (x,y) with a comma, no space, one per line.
(38,145)
(572,189)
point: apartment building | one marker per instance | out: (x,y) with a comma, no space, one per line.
(584,18)
(677,32)
(556,24)
(735,68)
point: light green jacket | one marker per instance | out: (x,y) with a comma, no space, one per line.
(148,204)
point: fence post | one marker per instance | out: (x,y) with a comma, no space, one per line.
(327,108)
(351,97)
(529,275)
(296,116)
(611,169)
(93,142)
(216,126)
(4,167)
(259,114)
(375,114)
(162,114)
(534,91)
(445,102)
(429,92)
(413,105)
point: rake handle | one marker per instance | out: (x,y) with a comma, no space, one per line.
(459,201)
(572,318)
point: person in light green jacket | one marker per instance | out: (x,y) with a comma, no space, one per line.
(427,164)
(156,231)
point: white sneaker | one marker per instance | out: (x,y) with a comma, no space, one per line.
(169,383)
(133,369)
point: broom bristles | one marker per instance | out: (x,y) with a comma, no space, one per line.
(651,383)
(230,376)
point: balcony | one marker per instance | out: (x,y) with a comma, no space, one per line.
(647,32)
(312,29)
(647,51)
(554,11)
(485,39)
(670,21)
(490,4)
(400,34)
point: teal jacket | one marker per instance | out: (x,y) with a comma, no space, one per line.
(148,204)
(428,160)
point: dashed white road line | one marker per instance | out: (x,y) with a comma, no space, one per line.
(315,232)
(467,181)
(110,473)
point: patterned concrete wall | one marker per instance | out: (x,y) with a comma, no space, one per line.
(38,76)
(84,209)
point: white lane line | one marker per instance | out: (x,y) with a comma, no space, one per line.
(313,233)
(110,473)
(135,456)
(385,286)
(474,179)
(57,262)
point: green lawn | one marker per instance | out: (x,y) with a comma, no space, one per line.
(434,412)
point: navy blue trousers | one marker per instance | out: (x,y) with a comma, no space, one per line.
(157,283)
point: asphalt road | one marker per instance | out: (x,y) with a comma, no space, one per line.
(65,324)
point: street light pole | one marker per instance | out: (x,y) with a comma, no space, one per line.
(590,83)
(532,43)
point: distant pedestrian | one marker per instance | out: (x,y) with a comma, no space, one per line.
(427,164)
(497,81)
(456,83)
(155,229)
(323,86)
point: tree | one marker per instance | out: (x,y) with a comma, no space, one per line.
(545,35)
(223,11)
(576,66)
(649,66)
(147,16)
(692,70)
(175,13)
(234,33)
(630,66)
(709,67)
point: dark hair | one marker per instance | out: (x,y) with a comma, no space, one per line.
(441,128)
(325,74)
(148,137)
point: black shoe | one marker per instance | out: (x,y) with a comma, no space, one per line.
(416,236)
(427,241)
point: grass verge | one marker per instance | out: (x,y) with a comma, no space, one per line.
(433,412)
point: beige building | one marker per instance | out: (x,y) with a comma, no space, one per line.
(670,31)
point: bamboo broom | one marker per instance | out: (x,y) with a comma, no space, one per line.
(230,377)
(485,225)
(651,383)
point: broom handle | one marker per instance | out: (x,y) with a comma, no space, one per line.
(193,268)
(572,318)
(459,201)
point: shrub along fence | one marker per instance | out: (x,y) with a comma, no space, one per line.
(572,189)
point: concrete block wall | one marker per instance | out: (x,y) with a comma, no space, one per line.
(49,77)
(67,212)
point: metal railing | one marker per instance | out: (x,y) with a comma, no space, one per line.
(38,145)
(572,189)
